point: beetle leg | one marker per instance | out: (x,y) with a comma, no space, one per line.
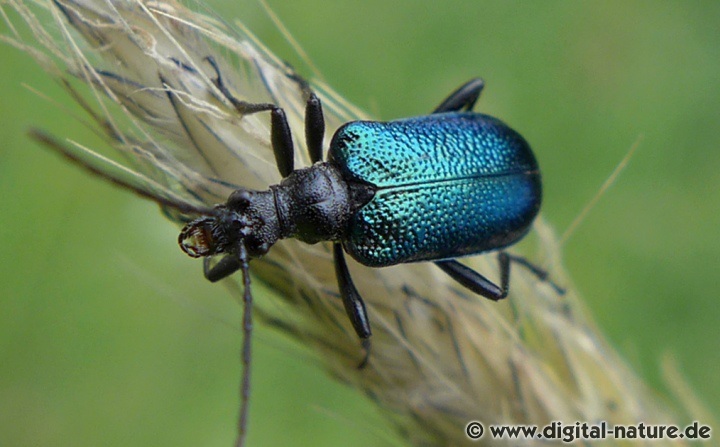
(280,135)
(541,274)
(282,143)
(354,305)
(314,119)
(224,268)
(477,283)
(243,107)
(464,98)
(314,127)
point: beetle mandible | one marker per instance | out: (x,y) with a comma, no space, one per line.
(431,188)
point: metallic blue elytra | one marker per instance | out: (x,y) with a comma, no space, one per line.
(430,188)
(446,185)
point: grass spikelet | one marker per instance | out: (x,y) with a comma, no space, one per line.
(441,357)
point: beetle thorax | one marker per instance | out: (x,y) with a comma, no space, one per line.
(313,204)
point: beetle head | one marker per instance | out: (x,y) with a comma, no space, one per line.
(248,218)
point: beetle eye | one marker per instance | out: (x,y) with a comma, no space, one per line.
(256,247)
(262,248)
(239,200)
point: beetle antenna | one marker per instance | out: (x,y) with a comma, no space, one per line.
(246,347)
(176,204)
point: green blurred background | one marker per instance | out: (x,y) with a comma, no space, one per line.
(110,336)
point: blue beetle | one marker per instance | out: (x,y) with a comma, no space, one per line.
(432,188)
